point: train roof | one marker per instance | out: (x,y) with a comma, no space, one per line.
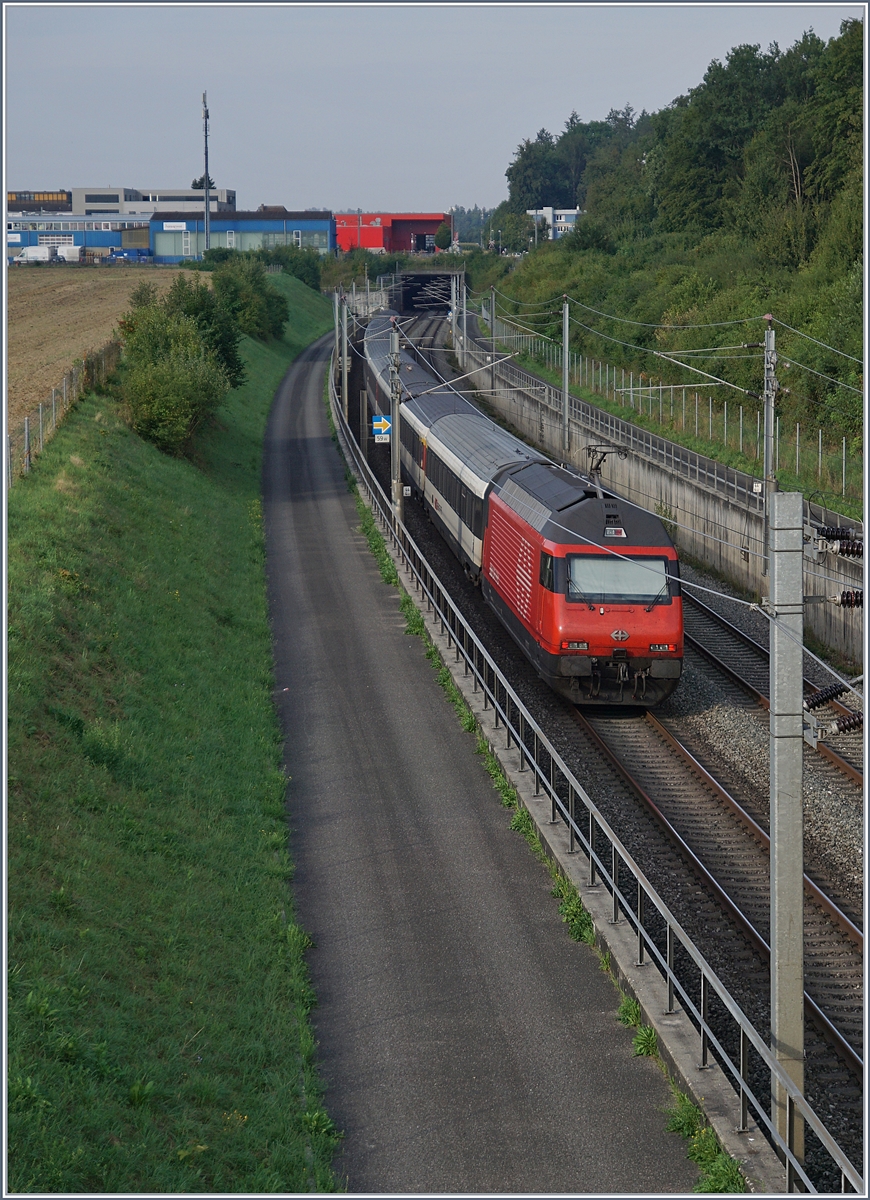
(485,450)
(566,509)
(563,506)
(453,427)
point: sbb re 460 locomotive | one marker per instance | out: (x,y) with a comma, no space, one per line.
(587,584)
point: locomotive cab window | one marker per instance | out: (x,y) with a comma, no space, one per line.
(547,576)
(607,579)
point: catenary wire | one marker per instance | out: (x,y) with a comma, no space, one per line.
(789,361)
(817,342)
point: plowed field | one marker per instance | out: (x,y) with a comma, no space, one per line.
(55,315)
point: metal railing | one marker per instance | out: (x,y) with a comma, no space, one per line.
(660,937)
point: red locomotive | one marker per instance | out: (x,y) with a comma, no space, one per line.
(587,584)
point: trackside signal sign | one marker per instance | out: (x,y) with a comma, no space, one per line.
(381,428)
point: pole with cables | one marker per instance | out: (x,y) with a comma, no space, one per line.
(395,456)
(344,356)
(565,365)
(770,390)
(454,304)
(464,322)
(492,331)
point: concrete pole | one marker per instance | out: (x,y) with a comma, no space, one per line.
(344,356)
(395,443)
(492,331)
(565,367)
(364,422)
(770,389)
(786,801)
(454,303)
(464,323)
(337,324)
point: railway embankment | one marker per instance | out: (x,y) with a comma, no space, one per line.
(158,1036)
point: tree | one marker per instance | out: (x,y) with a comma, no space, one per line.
(191,297)
(243,288)
(537,177)
(443,236)
(199,184)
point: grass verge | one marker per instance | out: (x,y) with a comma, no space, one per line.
(159,1036)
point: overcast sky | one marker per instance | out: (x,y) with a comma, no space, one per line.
(394,107)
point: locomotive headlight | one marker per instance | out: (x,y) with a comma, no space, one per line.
(663,647)
(575,645)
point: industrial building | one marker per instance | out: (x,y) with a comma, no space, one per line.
(388,233)
(98,236)
(121,201)
(176,236)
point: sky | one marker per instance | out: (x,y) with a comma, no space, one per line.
(392,107)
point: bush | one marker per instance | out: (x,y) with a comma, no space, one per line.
(173,379)
(303,264)
(150,333)
(168,398)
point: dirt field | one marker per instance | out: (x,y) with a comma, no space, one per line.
(55,315)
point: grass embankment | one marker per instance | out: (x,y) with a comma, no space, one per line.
(159,1037)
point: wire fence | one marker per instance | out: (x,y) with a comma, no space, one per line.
(38,426)
(811,455)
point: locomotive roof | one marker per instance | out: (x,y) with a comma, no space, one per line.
(565,509)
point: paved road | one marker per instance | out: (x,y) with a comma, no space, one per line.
(467,1044)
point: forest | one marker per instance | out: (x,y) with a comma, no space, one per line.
(742,198)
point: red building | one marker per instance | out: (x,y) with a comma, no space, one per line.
(388,233)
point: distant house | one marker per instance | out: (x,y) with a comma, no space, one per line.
(559,220)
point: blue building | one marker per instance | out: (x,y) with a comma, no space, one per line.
(177,236)
(98,235)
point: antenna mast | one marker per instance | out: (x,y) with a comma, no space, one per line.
(205,177)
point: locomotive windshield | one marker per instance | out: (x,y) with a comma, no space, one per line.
(607,579)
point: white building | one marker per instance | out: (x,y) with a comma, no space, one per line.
(97,201)
(560,220)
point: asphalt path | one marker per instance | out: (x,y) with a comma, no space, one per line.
(467,1044)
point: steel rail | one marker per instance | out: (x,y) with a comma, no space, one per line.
(836,914)
(826,1026)
(826,751)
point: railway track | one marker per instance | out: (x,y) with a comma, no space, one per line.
(747,663)
(710,859)
(724,846)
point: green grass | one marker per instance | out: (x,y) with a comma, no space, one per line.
(159,1036)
